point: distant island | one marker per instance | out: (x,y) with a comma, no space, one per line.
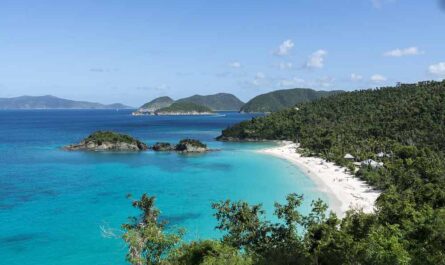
(282,99)
(184,108)
(216,102)
(108,141)
(52,102)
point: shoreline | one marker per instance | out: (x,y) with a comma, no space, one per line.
(344,190)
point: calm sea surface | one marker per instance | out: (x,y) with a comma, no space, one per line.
(66,208)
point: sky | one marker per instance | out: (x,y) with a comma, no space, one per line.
(134,50)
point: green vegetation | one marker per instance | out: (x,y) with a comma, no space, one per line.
(402,126)
(281,99)
(316,238)
(145,236)
(220,101)
(184,107)
(110,137)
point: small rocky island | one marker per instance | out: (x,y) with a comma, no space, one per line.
(108,141)
(184,146)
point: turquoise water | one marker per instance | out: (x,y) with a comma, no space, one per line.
(60,207)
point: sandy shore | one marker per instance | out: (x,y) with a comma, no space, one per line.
(344,190)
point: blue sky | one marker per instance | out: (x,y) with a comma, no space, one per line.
(132,51)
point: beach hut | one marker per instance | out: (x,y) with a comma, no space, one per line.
(349,157)
(373,164)
(381,155)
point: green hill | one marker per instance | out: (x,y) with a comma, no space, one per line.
(179,108)
(411,114)
(220,101)
(157,103)
(281,99)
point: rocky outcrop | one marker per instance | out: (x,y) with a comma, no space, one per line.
(184,146)
(108,141)
(191,146)
(162,147)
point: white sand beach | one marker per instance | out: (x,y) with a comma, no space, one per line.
(344,190)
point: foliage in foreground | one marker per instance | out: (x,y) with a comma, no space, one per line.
(315,238)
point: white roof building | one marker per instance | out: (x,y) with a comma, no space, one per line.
(348,156)
(372,163)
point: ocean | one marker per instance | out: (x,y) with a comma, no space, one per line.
(66,208)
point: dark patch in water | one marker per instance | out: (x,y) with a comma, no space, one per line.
(181,218)
(22,242)
(215,166)
(4,206)
(18,239)
(105,193)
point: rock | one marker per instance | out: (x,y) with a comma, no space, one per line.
(191,146)
(108,141)
(161,146)
(184,146)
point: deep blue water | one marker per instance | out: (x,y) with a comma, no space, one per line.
(66,208)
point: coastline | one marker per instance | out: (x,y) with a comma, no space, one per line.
(344,189)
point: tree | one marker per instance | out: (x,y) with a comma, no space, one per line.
(147,242)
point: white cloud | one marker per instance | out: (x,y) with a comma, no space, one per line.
(291,82)
(316,60)
(284,48)
(285,65)
(235,64)
(437,69)
(403,52)
(356,77)
(259,79)
(377,78)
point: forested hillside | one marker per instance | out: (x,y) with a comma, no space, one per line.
(409,114)
(217,102)
(402,127)
(281,99)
